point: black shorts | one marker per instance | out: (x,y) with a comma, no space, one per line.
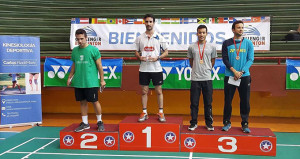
(156,77)
(88,94)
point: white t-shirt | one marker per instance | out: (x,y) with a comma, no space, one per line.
(151,47)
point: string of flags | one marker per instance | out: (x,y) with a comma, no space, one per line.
(217,20)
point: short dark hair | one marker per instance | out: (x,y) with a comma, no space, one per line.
(81,31)
(149,15)
(236,22)
(201,26)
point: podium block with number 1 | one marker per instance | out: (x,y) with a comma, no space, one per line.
(150,135)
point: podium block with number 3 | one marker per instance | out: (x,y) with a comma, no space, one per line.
(150,135)
(261,141)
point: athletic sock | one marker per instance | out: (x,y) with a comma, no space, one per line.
(99,117)
(85,119)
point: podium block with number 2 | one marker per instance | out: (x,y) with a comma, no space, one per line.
(150,135)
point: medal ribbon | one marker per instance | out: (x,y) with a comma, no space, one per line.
(201,53)
(237,51)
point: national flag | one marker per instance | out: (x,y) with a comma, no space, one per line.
(255,19)
(226,20)
(101,20)
(165,20)
(93,21)
(244,19)
(175,20)
(75,21)
(265,19)
(213,20)
(192,20)
(130,21)
(111,21)
(84,20)
(184,20)
(120,21)
(202,20)
(231,20)
(221,20)
(138,21)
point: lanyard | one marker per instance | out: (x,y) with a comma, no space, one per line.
(237,51)
(201,53)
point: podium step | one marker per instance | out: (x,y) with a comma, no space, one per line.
(90,139)
(170,136)
(261,141)
(150,135)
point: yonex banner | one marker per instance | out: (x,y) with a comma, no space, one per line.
(20,80)
(292,74)
(120,34)
(56,72)
(177,74)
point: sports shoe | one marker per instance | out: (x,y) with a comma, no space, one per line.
(226,127)
(192,127)
(210,128)
(82,127)
(100,126)
(143,117)
(3,88)
(161,117)
(246,129)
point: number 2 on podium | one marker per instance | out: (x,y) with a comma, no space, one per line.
(147,131)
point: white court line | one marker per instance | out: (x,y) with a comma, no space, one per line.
(111,155)
(39,149)
(16,146)
(10,131)
(191,155)
(288,145)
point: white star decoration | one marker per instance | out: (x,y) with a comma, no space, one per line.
(266,146)
(190,143)
(128,137)
(170,137)
(109,141)
(68,140)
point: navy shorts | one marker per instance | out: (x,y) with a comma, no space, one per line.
(156,77)
(88,94)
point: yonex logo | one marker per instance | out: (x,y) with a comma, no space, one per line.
(294,76)
(60,74)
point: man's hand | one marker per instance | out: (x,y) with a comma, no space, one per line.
(102,83)
(237,75)
(153,59)
(69,82)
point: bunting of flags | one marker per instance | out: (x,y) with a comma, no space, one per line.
(214,20)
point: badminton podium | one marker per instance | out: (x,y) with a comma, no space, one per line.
(171,136)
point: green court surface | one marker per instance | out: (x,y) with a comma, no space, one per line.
(43,143)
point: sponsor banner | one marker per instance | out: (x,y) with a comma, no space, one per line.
(20,80)
(292,74)
(56,72)
(177,74)
(120,34)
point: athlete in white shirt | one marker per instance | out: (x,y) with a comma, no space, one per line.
(150,48)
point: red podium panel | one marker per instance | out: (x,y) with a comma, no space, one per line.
(90,139)
(150,135)
(261,141)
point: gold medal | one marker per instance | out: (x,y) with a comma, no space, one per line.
(237,58)
(201,61)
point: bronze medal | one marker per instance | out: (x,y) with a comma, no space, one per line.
(237,58)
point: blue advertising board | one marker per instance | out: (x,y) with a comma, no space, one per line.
(20,80)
